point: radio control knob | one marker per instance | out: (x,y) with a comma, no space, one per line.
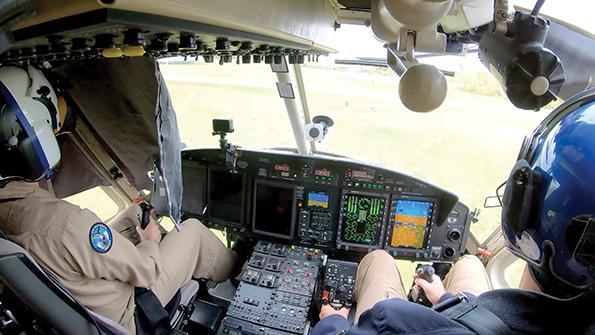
(449,252)
(454,234)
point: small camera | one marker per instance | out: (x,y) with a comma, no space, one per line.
(316,130)
(222,126)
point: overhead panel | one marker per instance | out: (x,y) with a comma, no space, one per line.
(228,31)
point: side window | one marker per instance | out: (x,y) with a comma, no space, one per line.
(513,273)
(505,269)
(167,224)
(97,201)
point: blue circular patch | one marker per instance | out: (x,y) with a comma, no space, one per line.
(100,237)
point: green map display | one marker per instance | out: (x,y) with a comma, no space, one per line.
(362,218)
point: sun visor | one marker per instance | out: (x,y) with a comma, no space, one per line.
(126,103)
(169,176)
(75,173)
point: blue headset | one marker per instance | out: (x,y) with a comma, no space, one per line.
(548,207)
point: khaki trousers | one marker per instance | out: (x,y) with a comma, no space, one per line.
(194,251)
(379,279)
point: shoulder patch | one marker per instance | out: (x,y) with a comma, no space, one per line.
(100,237)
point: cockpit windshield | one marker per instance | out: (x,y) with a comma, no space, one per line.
(568,11)
(466,146)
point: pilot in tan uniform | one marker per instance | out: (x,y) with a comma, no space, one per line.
(57,234)
(100,264)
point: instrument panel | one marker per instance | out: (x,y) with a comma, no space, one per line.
(330,203)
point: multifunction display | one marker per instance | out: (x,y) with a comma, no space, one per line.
(274,209)
(410,221)
(225,198)
(362,218)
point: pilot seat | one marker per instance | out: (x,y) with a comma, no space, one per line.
(33,300)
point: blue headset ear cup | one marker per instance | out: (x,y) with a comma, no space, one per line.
(519,204)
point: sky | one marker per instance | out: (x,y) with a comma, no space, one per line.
(577,12)
(368,46)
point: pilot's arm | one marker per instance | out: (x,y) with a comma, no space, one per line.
(96,251)
(393,316)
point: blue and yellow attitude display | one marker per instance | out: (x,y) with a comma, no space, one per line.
(410,220)
(318,199)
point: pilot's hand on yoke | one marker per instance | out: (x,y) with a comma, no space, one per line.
(327,310)
(150,233)
(434,290)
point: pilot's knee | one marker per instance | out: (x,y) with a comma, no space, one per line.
(192,226)
(470,260)
(380,253)
(377,257)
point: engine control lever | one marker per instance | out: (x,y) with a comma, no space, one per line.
(424,271)
(336,295)
(146,214)
(338,289)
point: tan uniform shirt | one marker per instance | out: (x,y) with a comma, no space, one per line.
(56,234)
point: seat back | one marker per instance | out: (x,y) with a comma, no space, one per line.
(43,295)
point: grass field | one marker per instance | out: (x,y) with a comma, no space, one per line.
(467,146)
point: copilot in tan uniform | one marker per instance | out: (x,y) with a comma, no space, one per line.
(58,235)
(379,279)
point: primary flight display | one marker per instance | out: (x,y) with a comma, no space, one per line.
(410,220)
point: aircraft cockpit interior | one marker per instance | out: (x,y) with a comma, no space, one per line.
(87,105)
(313,218)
